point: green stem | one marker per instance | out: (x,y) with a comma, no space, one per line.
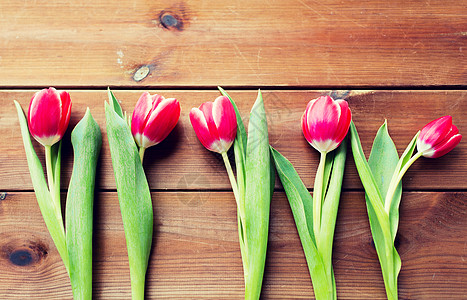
(241,215)
(233,183)
(137,289)
(141,153)
(318,195)
(50,179)
(396,179)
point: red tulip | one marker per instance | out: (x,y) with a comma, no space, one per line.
(49,115)
(215,124)
(153,119)
(438,137)
(326,122)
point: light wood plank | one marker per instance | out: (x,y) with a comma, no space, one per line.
(241,43)
(181,162)
(196,252)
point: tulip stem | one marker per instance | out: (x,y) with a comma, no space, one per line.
(396,179)
(233,182)
(318,195)
(50,179)
(141,153)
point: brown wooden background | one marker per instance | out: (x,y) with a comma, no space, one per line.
(403,60)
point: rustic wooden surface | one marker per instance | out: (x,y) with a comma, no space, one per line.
(407,55)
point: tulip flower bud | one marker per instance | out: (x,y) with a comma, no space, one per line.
(49,115)
(438,137)
(326,122)
(153,119)
(215,124)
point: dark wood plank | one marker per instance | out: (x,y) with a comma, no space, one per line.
(196,252)
(254,43)
(181,162)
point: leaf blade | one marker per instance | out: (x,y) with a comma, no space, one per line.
(52,218)
(134,197)
(86,139)
(257,197)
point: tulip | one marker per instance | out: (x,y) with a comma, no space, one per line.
(153,119)
(438,137)
(49,115)
(435,139)
(326,122)
(215,124)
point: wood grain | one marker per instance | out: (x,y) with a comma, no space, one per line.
(182,163)
(196,253)
(240,43)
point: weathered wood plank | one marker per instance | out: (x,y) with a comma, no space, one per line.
(196,252)
(181,162)
(273,43)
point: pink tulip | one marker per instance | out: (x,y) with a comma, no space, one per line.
(438,137)
(153,119)
(215,124)
(49,115)
(325,123)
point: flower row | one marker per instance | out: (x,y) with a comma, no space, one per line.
(218,125)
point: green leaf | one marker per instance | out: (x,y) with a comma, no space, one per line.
(383,159)
(87,141)
(257,197)
(52,218)
(379,220)
(134,198)
(330,208)
(241,133)
(396,199)
(115,104)
(383,162)
(239,145)
(301,204)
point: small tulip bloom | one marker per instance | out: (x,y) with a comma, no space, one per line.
(326,122)
(49,115)
(215,124)
(153,119)
(438,138)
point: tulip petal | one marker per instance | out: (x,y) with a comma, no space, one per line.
(322,118)
(161,121)
(206,108)
(435,131)
(198,121)
(44,116)
(225,119)
(66,112)
(443,148)
(344,121)
(140,114)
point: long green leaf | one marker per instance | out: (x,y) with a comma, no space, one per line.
(87,141)
(381,229)
(330,208)
(395,202)
(383,160)
(240,156)
(134,197)
(52,218)
(240,145)
(301,204)
(257,197)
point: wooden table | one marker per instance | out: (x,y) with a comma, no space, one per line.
(403,60)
